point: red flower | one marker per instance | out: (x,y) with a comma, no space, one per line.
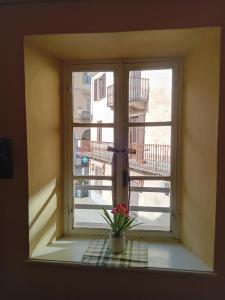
(121,209)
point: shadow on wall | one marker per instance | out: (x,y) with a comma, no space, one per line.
(43,110)
(43,217)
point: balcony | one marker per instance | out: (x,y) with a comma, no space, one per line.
(138,93)
(149,159)
(85,116)
(96,150)
(110,96)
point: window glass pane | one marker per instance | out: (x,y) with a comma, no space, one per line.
(150,204)
(150,95)
(153,150)
(90,155)
(150,193)
(152,221)
(89,218)
(93,97)
(93,192)
(89,197)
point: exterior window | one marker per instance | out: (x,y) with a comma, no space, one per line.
(100,87)
(86,78)
(99,132)
(137,111)
(136,137)
(133,131)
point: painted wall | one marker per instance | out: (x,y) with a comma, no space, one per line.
(80,92)
(199,147)
(45,281)
(43,110)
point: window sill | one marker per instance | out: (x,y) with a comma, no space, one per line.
(162,256)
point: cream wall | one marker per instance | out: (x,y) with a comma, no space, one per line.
(199,147)
(42,83)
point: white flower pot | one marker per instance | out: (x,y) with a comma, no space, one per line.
(117,244)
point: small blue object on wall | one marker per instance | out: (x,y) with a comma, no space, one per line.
(84,160)
(6,169)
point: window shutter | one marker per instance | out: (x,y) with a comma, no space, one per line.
(135,74)
(95,89)
(141,137)
(103,86)
(99,132)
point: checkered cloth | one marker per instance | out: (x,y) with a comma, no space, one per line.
(135,255)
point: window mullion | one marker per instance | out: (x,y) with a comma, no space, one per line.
(120,132)
(125,121)
(69,152)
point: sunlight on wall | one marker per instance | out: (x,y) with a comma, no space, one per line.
(39,200)
(42,78)
(42,217)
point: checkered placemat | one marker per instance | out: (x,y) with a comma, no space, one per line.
(135,255)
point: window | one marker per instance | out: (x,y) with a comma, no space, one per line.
(100,87)
(86,78)
(133,132)
(138,112)
(99,132)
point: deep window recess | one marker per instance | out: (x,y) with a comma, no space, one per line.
(138,111)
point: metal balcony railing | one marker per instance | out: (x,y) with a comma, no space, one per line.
(153,158)
(85,115)
(138,90)
(150,158)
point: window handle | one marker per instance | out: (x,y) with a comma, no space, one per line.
(125,178)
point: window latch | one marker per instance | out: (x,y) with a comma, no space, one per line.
(69,210)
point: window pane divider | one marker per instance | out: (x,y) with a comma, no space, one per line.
(159,178)
(90,177)
(149,189)
(133,188)
(93,125)
(93,187)
(132,208)
(150,209)
(145,124)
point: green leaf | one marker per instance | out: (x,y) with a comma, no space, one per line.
(135,225)
(120,220)
(124,225)
(106,220)
(128,224)
(111,223)
(116,220)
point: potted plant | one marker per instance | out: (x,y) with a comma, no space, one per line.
(120,222)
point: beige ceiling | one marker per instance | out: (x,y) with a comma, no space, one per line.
(116,45)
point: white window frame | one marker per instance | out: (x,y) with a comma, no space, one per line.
(121,86)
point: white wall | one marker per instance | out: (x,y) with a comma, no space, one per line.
(100,111)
